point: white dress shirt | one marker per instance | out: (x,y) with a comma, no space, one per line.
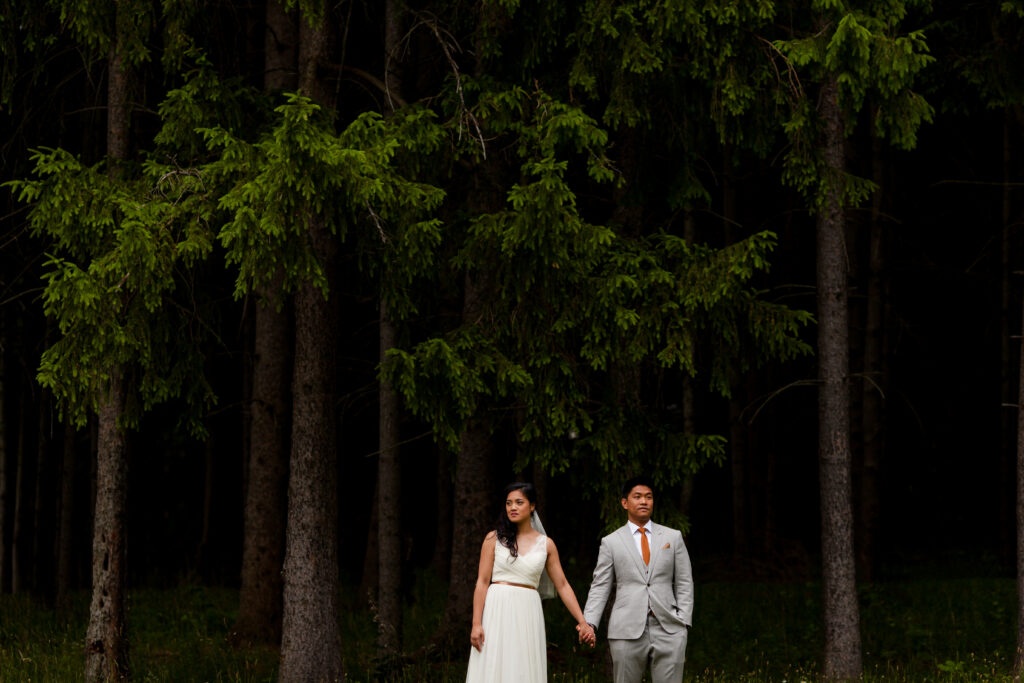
(634,530)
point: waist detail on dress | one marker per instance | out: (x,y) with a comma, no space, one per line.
(517,585)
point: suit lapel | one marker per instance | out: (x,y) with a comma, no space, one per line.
(629,547)
(656,541)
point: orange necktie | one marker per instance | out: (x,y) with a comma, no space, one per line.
(645,548)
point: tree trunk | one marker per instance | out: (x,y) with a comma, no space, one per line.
(689,410)
(260,599)
(841,615)
(541,481)
(441,560)
(106,646)
(204,530)
(471,503)
(94,458)
(38,570)
(393,72)
(874,384)
(1006,354)
(369,578)
(65,510)
(3,471)
(1018,660)
(688,400)
(118,119)
(17,528)
(766,533)
(281,48)
(856,237)
(472,485)
(106,653)
(311,641)
(739,467)
(389,538)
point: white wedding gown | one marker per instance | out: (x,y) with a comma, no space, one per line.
(515,647)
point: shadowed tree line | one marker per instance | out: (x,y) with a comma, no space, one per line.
(291,288)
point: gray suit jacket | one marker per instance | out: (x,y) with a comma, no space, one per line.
(665,587)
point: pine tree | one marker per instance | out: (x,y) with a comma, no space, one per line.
(848,52)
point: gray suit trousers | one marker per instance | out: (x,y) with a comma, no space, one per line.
(665,652)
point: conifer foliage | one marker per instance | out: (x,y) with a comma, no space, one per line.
(537,222)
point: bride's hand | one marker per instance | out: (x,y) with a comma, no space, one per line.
(476,637)
(587,634)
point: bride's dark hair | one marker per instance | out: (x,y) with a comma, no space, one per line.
(504,528)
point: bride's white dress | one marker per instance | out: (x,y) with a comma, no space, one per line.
(515,647)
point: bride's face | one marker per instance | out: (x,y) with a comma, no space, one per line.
(518,507)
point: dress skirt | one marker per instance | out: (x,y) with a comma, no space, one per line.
(515,646)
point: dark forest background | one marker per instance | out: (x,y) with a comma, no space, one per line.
(674,121)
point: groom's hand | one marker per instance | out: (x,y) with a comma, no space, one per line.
(587,634)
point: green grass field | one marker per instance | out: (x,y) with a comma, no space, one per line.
(937,630)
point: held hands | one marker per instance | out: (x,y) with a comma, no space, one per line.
(587,634)
(476,637)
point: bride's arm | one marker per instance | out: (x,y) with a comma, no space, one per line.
(565,592)
(483,580)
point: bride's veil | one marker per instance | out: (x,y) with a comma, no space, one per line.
(546,588)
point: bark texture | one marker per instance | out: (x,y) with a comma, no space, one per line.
(1018,659)
(689,427)
(65,510)
(260,598)
(311,640)
(472,483)
(441,559)
(3,479)
(842,620)
(106,652)
(739,466)
(1006,252)
(208,495)
(106,646)
(117,105)
(471,522)
(470,502)
(389,594)
(874,384)
(17,526)
(368,582)
(38,568)
(389,536)
(281,46)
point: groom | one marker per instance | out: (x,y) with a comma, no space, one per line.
(650,569)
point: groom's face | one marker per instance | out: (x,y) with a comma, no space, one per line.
(639,503)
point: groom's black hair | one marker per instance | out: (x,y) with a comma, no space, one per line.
(640,480)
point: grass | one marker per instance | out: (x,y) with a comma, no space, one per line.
(175,635)
(921,630)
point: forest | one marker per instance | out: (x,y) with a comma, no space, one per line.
(290,289)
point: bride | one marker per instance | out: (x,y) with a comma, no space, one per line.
(518,566)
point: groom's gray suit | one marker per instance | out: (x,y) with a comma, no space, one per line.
(653,603)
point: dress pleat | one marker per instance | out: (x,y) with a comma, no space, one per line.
(515,645)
